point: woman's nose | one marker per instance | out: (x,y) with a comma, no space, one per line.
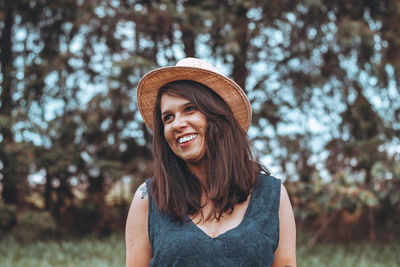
(179,122)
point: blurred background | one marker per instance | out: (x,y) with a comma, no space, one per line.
(323,78)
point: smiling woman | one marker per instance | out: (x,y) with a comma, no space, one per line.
(209,203)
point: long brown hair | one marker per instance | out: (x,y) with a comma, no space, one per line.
(231,172)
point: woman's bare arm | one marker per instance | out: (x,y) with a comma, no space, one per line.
(138,249)
(285,254)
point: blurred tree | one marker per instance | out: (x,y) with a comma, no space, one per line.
(59,50)
(14,162)
(342,72)
(322,77)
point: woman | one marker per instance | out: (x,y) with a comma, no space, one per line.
(209,203)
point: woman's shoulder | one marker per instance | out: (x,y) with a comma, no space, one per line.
(140,200)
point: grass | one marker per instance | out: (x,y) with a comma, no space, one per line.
(84,252)
(362,254)
(111,252)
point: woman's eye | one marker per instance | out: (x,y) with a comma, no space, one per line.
(167,118)
(190,108)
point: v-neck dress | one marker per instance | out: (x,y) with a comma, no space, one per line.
(251,243)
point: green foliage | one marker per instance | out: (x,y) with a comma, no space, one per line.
(34,226)
(93,218)
(321,198)
(8,217)
(344,205)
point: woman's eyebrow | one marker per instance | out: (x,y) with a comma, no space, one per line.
(187,104)
(164,112)
(180,106)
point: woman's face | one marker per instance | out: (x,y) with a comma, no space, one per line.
(184,128)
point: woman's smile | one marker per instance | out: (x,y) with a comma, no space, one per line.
(184,128)
(186,139)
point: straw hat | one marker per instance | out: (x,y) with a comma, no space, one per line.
(199,71)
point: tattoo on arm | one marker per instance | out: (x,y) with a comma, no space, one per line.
(143,190)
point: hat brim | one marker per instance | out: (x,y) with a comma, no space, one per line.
(226,88)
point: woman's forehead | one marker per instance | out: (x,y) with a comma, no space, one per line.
(169,101)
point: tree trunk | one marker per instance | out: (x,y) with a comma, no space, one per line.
(6,69)
(10,190)
(370,210)
(96,190)
(188,38)
(47,193)
(187,26)
(371,222)
(240,27)
(64,197)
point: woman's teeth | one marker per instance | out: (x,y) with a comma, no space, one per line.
(186,138)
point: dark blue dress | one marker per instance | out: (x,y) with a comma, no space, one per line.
(252,243)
